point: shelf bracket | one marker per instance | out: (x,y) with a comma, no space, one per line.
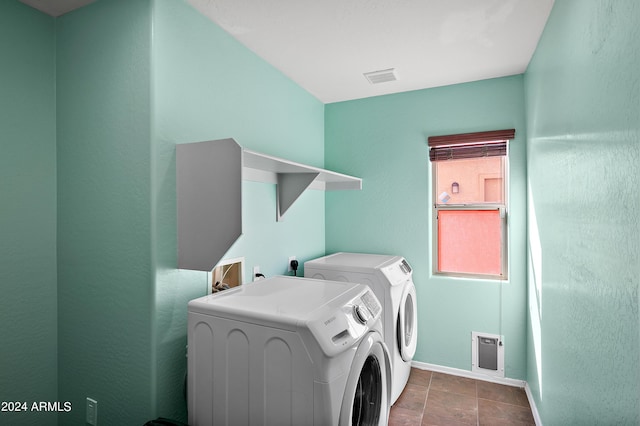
(290,187)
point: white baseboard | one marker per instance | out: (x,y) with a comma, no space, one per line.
(468,374)
(479,376)
(532,403)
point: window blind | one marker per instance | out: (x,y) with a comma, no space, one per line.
(469,145)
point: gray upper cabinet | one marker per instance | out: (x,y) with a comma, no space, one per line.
(209,198)
(209,194)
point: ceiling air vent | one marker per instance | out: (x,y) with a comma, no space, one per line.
(382,76)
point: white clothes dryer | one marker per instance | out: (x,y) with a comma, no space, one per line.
(288,351)
(390,278)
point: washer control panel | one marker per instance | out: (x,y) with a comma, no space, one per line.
(339,329)
(372,303)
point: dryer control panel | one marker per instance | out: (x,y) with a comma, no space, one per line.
(340,329)
(398,272)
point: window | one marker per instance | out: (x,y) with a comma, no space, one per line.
(470,203)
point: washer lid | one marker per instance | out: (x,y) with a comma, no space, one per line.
(281,299)
(395,268)
(353,261)
(285,299)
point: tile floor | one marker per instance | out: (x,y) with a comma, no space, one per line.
(432,398)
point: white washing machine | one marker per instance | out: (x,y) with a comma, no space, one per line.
(390,277)
(288,351)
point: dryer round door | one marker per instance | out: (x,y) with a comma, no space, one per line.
(407,328)
(367,393)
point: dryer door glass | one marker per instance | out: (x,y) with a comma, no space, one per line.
(406,324)
(366,402)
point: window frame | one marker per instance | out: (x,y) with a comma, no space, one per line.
(504,211)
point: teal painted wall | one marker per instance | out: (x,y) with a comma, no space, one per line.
(583,109)
(116,85)
(28,306)
(105,279)
(92,200)
(383,140)
(207,86)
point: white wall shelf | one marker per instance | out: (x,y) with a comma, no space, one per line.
(209,194)
(292,179)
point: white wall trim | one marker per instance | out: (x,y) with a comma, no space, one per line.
(532,403)
(468,374)
(478,376)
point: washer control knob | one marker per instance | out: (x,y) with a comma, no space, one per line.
(361,314)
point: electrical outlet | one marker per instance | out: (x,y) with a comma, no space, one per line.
(289,268)
(92,412)
(256,270)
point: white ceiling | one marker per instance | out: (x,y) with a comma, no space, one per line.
(326,45)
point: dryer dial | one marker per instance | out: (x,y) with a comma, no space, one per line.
(361,314)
